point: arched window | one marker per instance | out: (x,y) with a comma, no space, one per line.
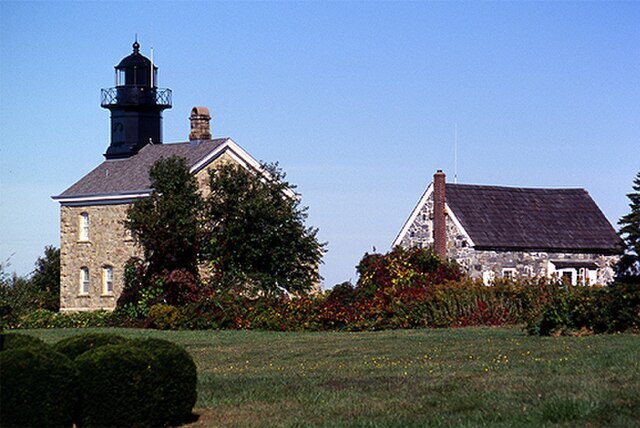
(84,226)
(107,280)
(84,280)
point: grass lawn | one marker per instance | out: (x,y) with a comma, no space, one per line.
(449,377)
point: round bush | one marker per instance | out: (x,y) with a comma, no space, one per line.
(163,317)
(18,340)
(37,388)
(119,387)
(177,378)
(75,346)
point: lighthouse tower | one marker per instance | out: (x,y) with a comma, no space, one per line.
(136,104)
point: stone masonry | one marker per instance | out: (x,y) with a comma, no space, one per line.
(109,244)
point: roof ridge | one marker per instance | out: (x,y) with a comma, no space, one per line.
(506,188)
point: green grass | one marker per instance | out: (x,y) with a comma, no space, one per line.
(449,377)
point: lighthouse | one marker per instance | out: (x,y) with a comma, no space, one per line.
(136,104)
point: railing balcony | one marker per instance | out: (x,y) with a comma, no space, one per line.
(135,95)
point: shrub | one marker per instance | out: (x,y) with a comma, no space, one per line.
(75,346)
(18,340)
(37,388)
(163,317)
(119,387)
(568,309)
(40,318)
(177,377)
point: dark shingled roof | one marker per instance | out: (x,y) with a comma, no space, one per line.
(121,176)
(533,219)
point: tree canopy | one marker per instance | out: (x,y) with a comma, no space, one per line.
(629,265)
(166,223)
(248,232)
(255,233)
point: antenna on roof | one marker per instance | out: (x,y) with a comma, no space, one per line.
(151,80)
(455,155)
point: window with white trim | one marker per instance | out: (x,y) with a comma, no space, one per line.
(509,273)
(107,280)
(567,276)
(84,280)
(83,227)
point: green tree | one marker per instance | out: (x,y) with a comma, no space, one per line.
(45,279)
(255,233)
(20,295)
(166,223)
(629,265)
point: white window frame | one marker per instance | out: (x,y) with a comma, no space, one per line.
(107,280)
(83,223)
(570,271)
(509,273)
(84,281)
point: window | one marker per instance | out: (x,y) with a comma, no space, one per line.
(567,276)
(84,227)
(509,273)
(84,280)
(107,280)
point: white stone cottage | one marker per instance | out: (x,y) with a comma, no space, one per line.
(496,231)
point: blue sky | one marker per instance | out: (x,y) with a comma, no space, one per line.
(357,101)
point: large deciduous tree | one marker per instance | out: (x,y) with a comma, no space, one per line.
(629,265)
(166,223)
(255,233)
(249,232)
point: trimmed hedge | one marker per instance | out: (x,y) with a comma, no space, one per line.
(177,376)
(75,346)
(37,388)
(18,340)
(120,387)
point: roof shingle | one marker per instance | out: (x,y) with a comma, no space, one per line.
(122,176)
(534,219)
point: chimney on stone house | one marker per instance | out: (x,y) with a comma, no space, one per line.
(439,216)
(200,119)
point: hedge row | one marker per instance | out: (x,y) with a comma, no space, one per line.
(94,380)
(544,307)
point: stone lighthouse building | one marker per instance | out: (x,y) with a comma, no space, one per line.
(94,244)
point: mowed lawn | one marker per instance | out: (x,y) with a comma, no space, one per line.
(447,377)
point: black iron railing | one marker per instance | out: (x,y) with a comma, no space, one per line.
(135,95)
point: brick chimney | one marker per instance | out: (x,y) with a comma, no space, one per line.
(439,218)
(199,124)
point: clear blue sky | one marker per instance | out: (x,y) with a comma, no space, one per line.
(357,101)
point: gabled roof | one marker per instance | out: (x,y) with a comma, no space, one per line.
(514,218)
(497,217)
(118,180)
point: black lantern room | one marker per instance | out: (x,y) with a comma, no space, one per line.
(136,105)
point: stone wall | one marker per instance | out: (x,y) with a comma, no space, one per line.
(108,244)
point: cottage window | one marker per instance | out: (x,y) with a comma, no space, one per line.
(84,226)
(567,276)
(84,280)
(509,273)
(107,280)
